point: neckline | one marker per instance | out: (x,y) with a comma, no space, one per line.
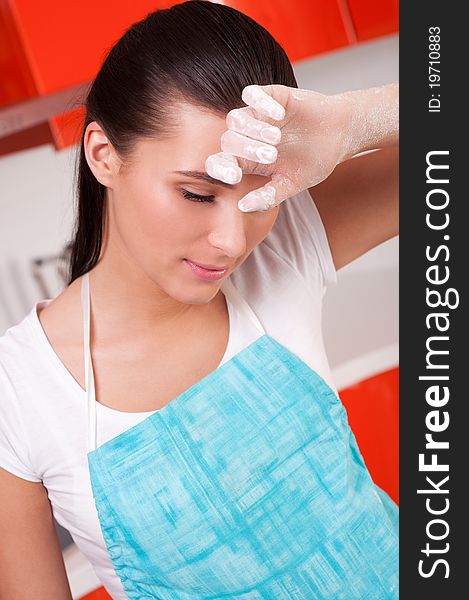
(92,412)
(262,341)
(73,384)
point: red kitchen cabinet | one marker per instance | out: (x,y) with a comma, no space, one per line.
(49,46)
(373,19)
(372,407)
(304,28)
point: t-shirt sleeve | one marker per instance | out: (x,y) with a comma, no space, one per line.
(14,452)
(299,237)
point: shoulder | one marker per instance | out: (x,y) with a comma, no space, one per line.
(22,350)
(58,317)
(18,351)
(15,345)
(28,398)
(14,445)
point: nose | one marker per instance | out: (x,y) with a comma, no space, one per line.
(228,232)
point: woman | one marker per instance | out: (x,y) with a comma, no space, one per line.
(181,420)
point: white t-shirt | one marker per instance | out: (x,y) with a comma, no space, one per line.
(43,411)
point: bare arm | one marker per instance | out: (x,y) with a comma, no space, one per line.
(31,562)
(359,203)
(313,134)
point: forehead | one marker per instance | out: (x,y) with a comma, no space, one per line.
(197,134)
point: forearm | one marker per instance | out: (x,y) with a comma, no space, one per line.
(373,119)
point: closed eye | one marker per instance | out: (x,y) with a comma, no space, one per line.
(196,197)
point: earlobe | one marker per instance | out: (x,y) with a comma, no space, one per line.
(99,154)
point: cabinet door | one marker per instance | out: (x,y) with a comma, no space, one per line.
(60,45)
(374,18)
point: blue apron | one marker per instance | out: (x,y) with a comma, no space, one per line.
(248,485)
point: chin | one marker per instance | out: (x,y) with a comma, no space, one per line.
(194,294)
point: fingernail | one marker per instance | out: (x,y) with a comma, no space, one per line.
(232,176)
(228,174)
(266,154)
(261,199)
(271,134)
(251,205)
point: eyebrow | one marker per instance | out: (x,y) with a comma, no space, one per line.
(205,177)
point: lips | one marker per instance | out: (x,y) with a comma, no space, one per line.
(205,273)
(209,267)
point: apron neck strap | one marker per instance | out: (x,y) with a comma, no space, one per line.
(228,289)
(89,375)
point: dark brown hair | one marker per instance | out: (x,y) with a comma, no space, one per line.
(197,51)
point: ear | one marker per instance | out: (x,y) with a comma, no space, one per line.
(100,155)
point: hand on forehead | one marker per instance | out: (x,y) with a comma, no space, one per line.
(249,136)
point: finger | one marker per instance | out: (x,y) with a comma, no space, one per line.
(258,98)
(261,199)
(223,166)
(241,121)
(245,147)
(276,191)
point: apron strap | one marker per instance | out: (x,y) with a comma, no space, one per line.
(89,375)
(228,289)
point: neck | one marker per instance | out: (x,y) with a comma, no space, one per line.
(128,304)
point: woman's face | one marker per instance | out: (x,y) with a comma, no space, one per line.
(155,226)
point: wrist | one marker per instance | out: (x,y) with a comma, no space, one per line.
(372,119)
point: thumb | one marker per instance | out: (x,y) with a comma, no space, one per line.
(273,193)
